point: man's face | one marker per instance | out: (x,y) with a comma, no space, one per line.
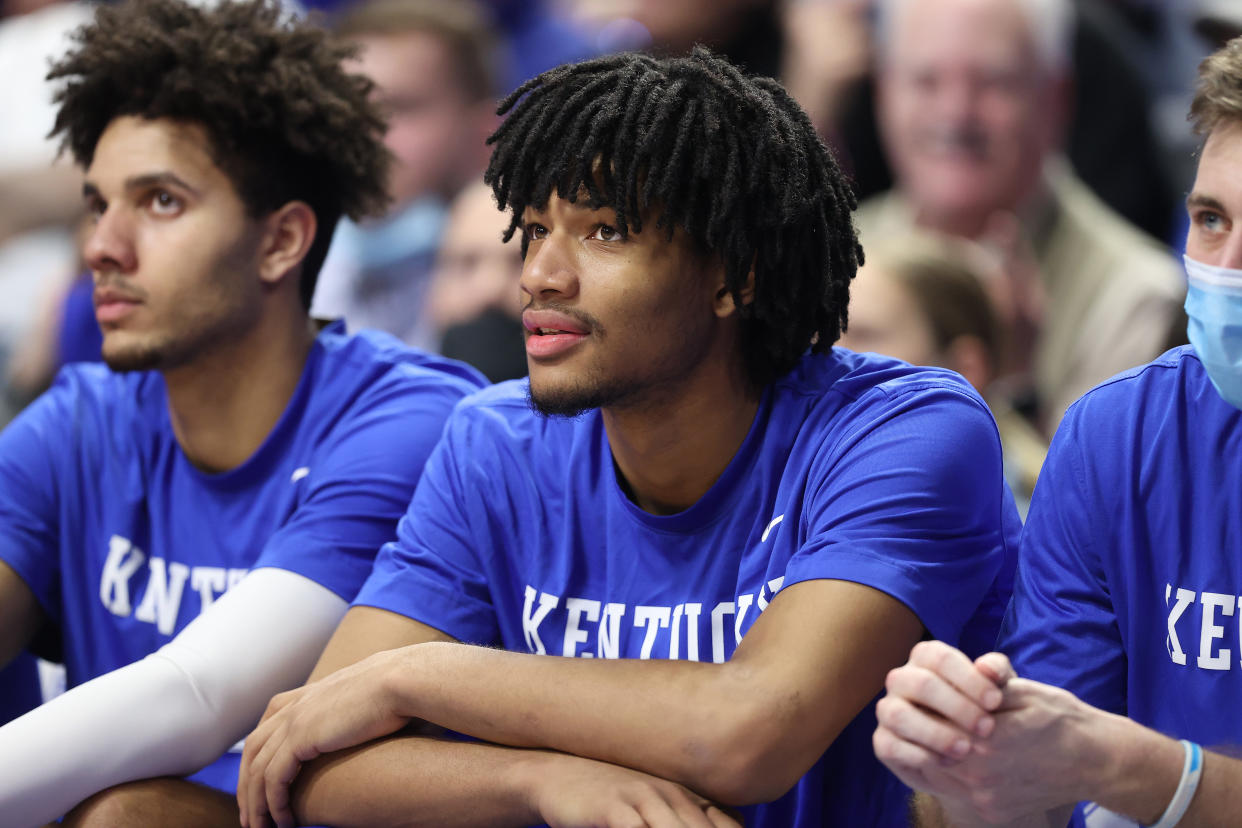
(475,270)
(434,132)
(1215,201)
(611,321)
(966,113)
(173,253)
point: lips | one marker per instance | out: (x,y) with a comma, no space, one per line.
(550,333)
(112,305)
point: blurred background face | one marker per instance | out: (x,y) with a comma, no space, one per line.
(966,113)
(885,318)
(435,131)
(474,269)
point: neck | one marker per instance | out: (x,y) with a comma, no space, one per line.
(225,403)
(669,453)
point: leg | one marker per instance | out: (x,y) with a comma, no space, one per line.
(163,801)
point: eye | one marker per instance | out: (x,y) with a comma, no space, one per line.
(1209,220)
(608,233)
(95,208)
(164,203)
(531,231)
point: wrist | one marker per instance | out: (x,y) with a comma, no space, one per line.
(1138,771)
(400,681)
(526,776)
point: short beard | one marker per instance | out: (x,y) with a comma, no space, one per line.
(587,396)
(138,358)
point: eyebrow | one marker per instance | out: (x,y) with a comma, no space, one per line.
(142,182)
(1201,200)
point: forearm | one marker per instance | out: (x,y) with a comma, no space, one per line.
(677,720)
(174,711)
(134,723)
(424,781)
(1146,768)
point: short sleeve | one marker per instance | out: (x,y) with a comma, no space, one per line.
(360,484)
(32,448)
(911,503)
(447,590)
(1061,628)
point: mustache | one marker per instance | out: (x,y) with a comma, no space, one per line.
(113,289)
(588,322)
(968,138)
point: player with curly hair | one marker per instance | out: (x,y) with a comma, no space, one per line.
(731,529)
(188,527)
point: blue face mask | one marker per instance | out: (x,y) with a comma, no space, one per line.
(1214,306)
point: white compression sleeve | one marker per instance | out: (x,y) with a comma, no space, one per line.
(174,711)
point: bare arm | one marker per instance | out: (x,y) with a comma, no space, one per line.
(739,732)
(20,614)
(428,781)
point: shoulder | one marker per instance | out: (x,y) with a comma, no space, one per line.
(370,358)
(93,387)
(847,381)
(1173,380)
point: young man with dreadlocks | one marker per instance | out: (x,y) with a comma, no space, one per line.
(194,522)
(733,530)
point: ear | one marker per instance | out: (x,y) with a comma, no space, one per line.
(287,236)
(967,355)
(724,303)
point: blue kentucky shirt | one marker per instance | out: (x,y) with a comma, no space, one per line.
(1129,587)
(124,541)
(856,467)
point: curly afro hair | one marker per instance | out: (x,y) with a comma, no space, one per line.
(730,159)
(285,121)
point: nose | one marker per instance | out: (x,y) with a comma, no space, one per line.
(109,245)
(549,270)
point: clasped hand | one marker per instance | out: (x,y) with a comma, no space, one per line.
(990,746)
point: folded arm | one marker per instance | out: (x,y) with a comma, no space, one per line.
(739,732)
(176,710)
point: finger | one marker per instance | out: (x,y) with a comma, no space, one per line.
(720,818)
(917,767)
(955,667)
(996,667)
(917,724)
(277,777)
(657,812)
(928,690)
(256,786)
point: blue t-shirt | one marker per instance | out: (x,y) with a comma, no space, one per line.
(1129,585)
(124,541)
(856,467)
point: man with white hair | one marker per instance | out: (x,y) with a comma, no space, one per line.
(972,101)
(1122,637)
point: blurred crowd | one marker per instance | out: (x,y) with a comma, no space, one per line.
(1019,166)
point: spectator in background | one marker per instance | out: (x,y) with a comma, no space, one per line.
(972,98)
(474,298)
(924,301)
(40,200)
(432,64)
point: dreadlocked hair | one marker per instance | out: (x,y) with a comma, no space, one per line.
(284,121)
(730,159)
